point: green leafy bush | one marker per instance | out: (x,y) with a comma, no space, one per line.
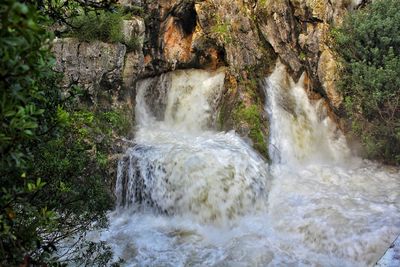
(27,115)
(53,163)
(105,26)
(369,45)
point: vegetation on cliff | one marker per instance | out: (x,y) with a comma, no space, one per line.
(104,26)
(242,109)
(369,46)
(53,163)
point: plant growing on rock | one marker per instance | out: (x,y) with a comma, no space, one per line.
(103,25)
(222,30)
(242,110)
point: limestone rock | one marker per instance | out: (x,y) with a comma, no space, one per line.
(134,60)
(134,28)
(130,3)
(298,29)
(279,27)
(96,67)
(328,74)
(202,34)
(177,44)
(230,25)
(104,70)
(134,66)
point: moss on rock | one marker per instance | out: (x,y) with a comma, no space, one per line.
(250,117)
(242,109)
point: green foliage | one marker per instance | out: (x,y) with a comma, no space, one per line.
(25,96)
(61,11)
(105,26)
(135,10)
(222,30)
(251,117)
(76,166)
(133,44)
(93,254)
(302,56)
(52,160)
(369,45)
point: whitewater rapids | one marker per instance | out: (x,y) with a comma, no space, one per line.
(190,196)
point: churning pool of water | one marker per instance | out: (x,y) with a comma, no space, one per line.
(188,196)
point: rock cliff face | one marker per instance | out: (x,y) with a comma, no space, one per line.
(105,71)
(299,33)
(93,66)
(246,36)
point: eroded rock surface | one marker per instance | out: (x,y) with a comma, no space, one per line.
(104,71)
(299,32)
(246,36)
(96,67)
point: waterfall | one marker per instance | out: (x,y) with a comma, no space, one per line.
(178,166)
(301,132)
(190,196)
(344,211)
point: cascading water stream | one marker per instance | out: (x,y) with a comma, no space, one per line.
(189,196)
(179,168)
(301,132)
(338,205)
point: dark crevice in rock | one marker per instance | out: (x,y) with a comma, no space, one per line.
(152,44)
(312,20)
(185,15)
(363,4)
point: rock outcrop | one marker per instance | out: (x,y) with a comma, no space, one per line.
(96,67)
(104,71)
(246,36)
(299,31)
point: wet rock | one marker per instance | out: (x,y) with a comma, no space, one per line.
(279,27)
(299,32)
(177,43)
(230,25)
(246,36)
(328,74)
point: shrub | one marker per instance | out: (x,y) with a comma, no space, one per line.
(105,26)
(368,44)
(52,163)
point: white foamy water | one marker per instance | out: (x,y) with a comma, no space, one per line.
(190,196)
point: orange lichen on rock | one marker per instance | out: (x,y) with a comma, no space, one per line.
(177,45)
(147,59)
